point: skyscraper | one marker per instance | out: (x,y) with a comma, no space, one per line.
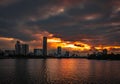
(59,50)
(38,52)
(105,51)
(18,48)
(25,49)
(44,46)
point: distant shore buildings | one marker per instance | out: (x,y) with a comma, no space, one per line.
(38,52)
(21,49)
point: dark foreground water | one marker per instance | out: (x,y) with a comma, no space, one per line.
(59,71)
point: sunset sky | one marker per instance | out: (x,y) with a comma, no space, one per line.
(72,24)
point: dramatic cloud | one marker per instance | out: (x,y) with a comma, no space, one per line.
(92,22)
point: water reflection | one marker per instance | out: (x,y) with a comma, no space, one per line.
(104,72)
(59,71)
(68,71)
(21,72)
(38,71)
(6,71)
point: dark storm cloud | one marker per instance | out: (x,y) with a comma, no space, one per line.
(95,20)
(22,9)
(77,18)
(12,16)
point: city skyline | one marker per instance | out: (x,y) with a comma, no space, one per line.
(75,25)
(60,47)
(23,49)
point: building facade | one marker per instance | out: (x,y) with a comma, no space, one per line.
(38,52)
(25,49)
(18,48)
(59,51)
(44,46)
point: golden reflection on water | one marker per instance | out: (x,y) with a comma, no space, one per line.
(61,69)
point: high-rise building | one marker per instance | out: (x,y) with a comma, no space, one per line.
(105,52)
(9,52)
(18,48)
(67,54)
(25,49)
(38,52)
(59,49)
(44,46)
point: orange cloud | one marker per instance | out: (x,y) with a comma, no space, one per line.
(54,42)
(107,47)
(6,39)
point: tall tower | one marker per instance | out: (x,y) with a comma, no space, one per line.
(25,49)
(59,50)
(44,46)
(18,48)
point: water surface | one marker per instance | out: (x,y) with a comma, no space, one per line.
(59,71)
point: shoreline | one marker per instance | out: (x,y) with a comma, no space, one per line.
(56,58)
